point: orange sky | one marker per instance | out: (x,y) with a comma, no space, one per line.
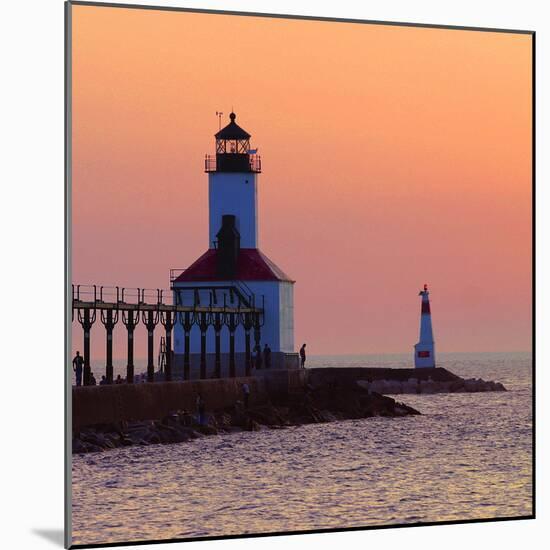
(392,156)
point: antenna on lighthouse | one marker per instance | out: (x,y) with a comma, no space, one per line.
(219,115)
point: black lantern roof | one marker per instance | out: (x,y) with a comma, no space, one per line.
(232,130)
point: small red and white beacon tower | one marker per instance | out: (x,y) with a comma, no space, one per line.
(424,353)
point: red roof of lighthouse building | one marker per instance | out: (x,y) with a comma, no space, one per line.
(252,265)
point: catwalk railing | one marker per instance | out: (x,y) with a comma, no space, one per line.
(134,305)
(233,163)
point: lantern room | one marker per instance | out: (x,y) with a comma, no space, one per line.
(233,153)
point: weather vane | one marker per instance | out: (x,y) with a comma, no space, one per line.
(219,115)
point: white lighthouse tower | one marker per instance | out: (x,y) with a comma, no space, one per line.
(234,261)
(424,353)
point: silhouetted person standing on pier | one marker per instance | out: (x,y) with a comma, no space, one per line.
(258,351)
(201,409)
(78,363)
(246,394)
(303,356)
(267,356)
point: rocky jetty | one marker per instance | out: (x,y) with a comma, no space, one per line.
(313,405)
(107,417)
(413,385)
(402,381)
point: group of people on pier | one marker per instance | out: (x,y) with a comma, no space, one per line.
(263,358)
(78,369)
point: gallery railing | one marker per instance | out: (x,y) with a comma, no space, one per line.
(232,162)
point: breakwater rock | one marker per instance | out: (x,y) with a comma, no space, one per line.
(312,405)
(401,381)
(413,385)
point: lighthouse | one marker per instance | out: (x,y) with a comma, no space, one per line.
(424,354)
(233,266)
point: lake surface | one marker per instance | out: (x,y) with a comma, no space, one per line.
(468,456)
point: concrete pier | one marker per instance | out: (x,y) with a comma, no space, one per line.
(133,402)
(128,402)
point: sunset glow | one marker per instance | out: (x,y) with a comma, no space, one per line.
(392,157)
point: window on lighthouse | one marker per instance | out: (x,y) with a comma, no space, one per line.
(237,146)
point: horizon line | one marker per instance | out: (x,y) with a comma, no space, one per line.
(144,358)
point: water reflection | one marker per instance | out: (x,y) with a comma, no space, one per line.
(468,456)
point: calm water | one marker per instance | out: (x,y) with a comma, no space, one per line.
(468,456)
